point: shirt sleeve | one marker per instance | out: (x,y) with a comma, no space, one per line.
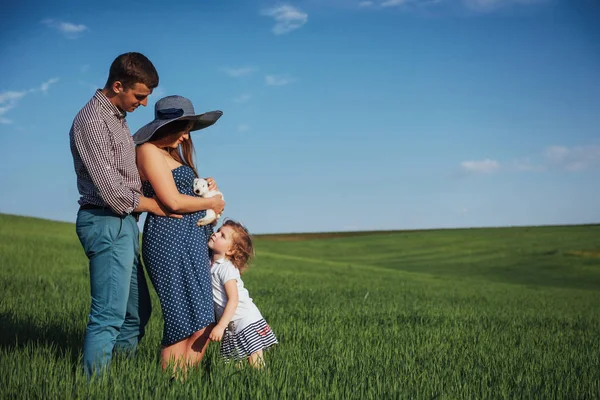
(93,144)
(228,272)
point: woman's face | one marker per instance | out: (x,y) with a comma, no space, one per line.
(183,136)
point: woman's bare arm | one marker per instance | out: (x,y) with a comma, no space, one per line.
(154,167)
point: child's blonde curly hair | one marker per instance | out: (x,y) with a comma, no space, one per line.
(242,249)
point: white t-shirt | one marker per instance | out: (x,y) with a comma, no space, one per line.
(246,313)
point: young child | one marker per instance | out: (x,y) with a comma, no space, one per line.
(241,327)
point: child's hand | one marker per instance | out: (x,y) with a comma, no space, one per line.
(217,333)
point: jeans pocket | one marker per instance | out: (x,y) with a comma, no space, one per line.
(87,229)
(115,228)
(97,232)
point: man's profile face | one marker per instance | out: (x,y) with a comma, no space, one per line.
(132,98)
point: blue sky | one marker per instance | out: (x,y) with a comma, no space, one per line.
(338,115)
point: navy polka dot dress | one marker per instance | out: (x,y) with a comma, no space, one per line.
(175,253)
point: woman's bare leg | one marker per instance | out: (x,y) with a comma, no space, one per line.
(196,345)
(174,356)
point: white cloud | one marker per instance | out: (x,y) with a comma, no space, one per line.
(243,128)
(480,167)
(525,165)
(557,154)
(46,85)
(398,3)
(490,5)
(278,80)
(475,5)
(239,72)
(287,18)
(7,97)
(576,158)
(68,29)
(3,111)
(393,3)
(242,98)
(10,99)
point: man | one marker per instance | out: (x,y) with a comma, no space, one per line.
(111,200)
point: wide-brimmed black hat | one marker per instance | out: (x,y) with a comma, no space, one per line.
(174,108)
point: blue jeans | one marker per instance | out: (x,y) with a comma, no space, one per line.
(121,304)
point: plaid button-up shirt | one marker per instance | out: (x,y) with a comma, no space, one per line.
(104,157)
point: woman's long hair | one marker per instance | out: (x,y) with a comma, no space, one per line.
(169,134)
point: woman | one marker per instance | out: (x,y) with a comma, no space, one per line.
(175,250)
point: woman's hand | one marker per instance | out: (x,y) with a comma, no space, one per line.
(218,205)
(212,185)
(217,333)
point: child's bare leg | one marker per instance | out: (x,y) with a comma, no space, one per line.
(256,359)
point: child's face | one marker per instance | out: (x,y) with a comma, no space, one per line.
(221,241)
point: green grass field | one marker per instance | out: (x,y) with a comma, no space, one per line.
(449,314)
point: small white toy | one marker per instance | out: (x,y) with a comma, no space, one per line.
(201,189)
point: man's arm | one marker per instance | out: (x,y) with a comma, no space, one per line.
(92,140)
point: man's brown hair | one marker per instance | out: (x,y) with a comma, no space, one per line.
(132,68)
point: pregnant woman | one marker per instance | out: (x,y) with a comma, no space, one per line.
(175,250)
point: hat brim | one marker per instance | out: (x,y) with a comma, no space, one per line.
(203,120)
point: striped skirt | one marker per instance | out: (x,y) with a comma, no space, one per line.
(254,337)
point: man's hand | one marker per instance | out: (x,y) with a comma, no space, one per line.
(217,333)
(162,211)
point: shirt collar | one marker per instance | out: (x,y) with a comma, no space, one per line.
(220,260)
(108,106)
